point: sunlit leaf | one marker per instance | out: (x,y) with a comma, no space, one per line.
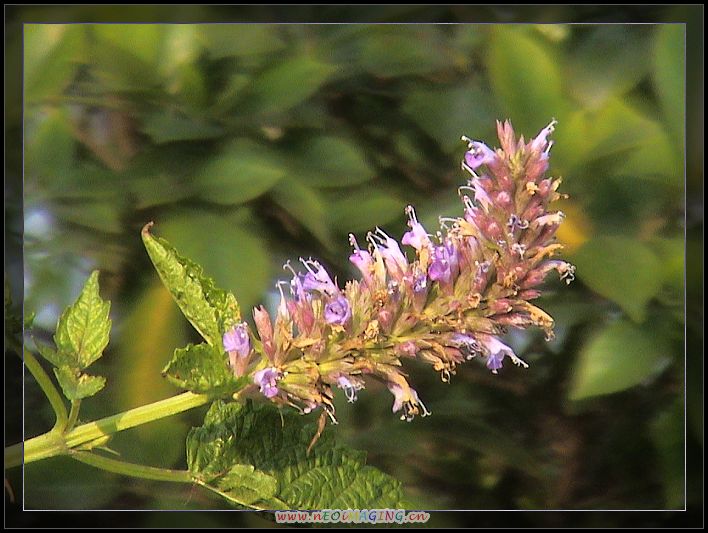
(84,327)
(77,385)
(203,369)
(210,309)
(619,357)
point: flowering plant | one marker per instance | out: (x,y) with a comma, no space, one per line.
(470,281)
(467,283)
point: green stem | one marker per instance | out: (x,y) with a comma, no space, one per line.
(54,443)
(48,388)
(73,415)
(132,469)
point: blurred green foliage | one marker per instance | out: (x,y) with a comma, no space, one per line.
(251,144)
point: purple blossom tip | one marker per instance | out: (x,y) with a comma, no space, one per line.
(478,154)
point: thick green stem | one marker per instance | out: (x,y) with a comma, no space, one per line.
(54,443)
(47,387)
(132,469)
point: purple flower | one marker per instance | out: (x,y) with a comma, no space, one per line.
(417,237)
(237,340)
(317,278)
(388,248)
(444,264)
(494,361)
(338,311)
(266,379)
(540,143)
(497,350)
(478,154)
(361,259)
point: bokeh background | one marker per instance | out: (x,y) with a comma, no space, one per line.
(252,144)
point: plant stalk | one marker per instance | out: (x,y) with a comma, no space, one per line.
(54,443)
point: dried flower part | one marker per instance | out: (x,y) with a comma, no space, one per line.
(466,284)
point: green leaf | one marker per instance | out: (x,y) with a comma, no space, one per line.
(307,207)
(144,41)
(390,51)
(125,57)
(619,357)
(616,128)
(258,437)
(526,79)
(621,269)
(52,54)
(363,209)
(244,170)
(99,215)
(670,77)
(667,432)
(54,357)
(202,368)
(328,161)
(49,147)
(672,255)
(83,328)
(76,385)
(609,61)
(209,309)
(287,84)
(447,113)
(229,246)
(240,40)
(167,126)
(243,484)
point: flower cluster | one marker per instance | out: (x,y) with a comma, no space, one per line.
(468,282)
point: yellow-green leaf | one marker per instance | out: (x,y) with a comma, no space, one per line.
(84,327)
(209,309)
(76,385)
